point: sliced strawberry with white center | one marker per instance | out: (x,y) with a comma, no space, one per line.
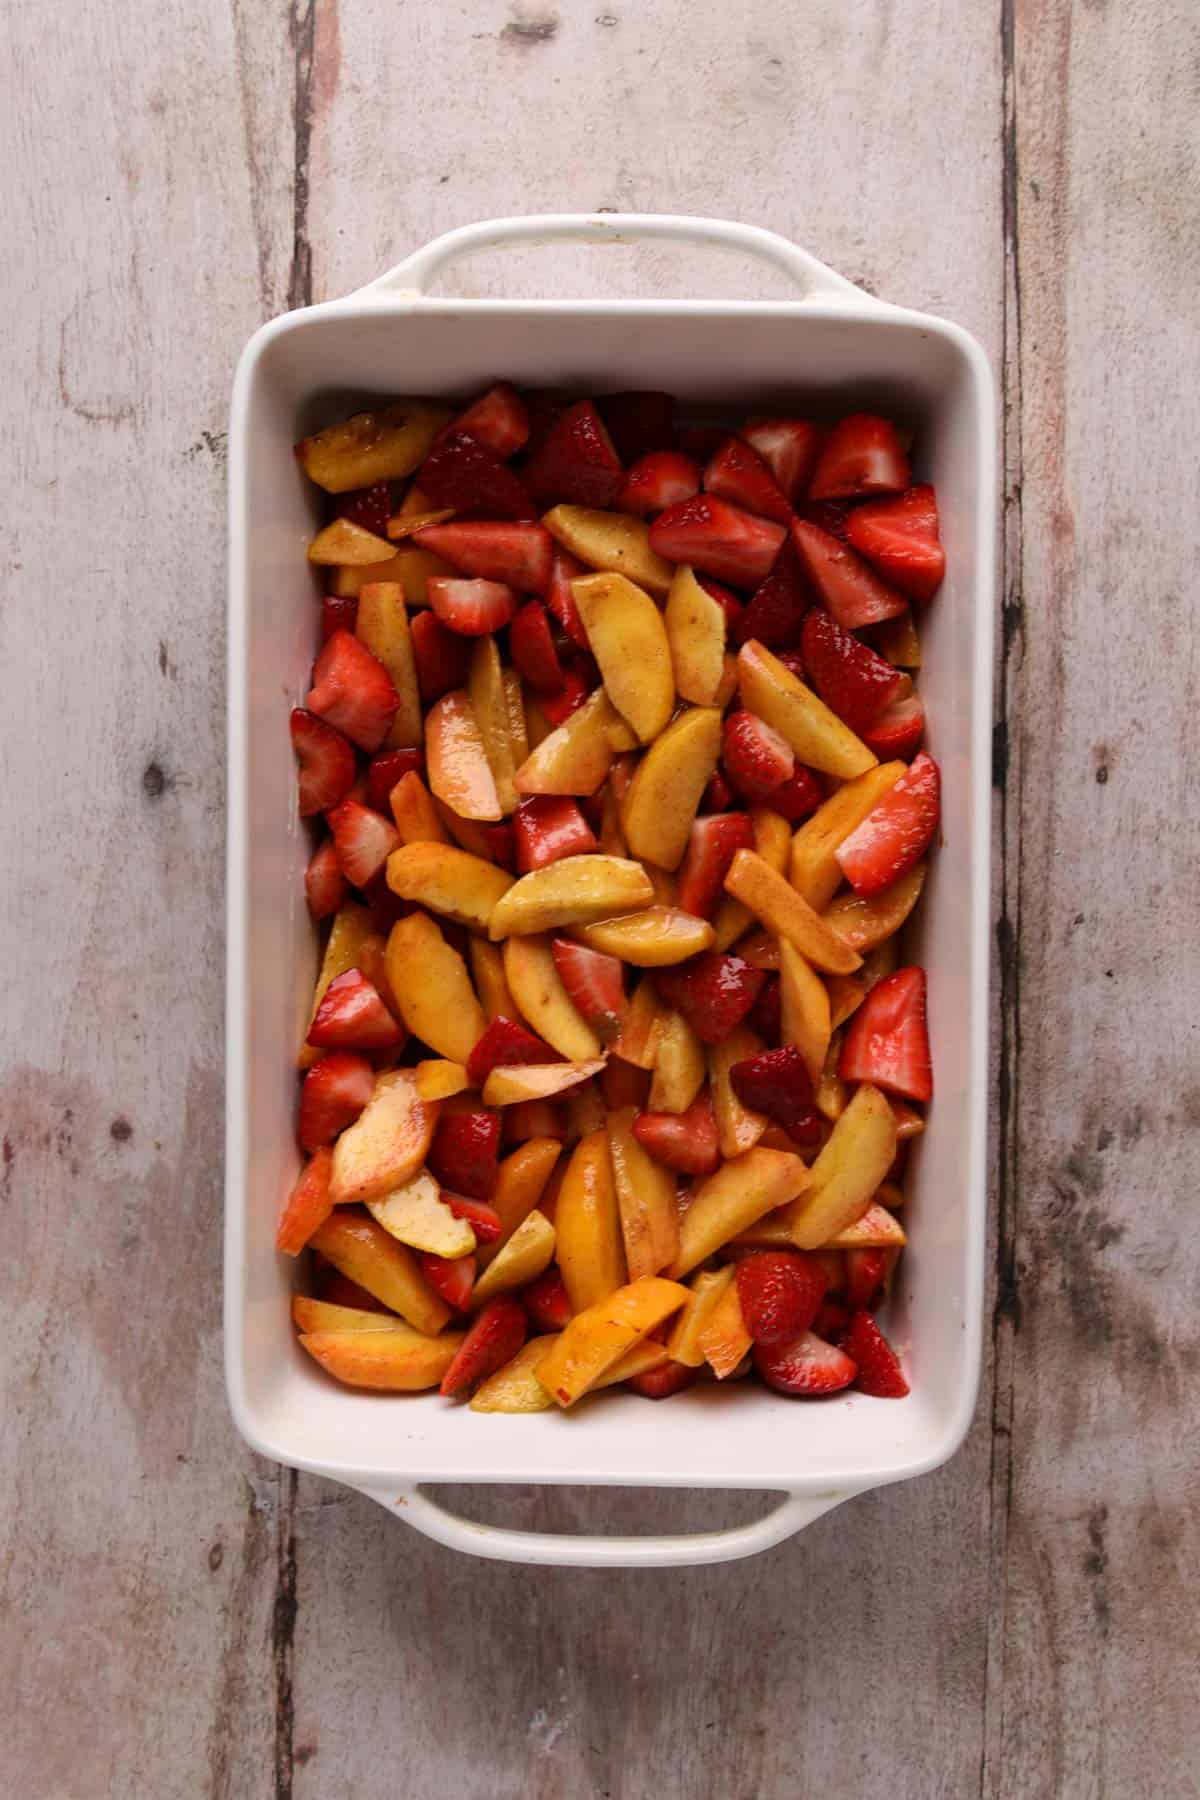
(848,587)
(717,539)
(576,461)
(898,731)
(442,658)
(531,647)
(851,678)
(547,827)
(499,550)
(900,538)
(686,1142)
(896,834)
(713,842)
(499,419)
(327,762)
(364,840)
(352,1016)
(788,447)
(862,455)
(657,481)
(594,983)
(806,1365)
(887,1039)
(335,1091)
(324,883)
(738,473)
(471,608)
(352,691)
(756,757)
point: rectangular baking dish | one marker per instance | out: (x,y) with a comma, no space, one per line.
(831,347)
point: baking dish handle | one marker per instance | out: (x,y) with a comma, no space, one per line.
(564,1550)
(411,278)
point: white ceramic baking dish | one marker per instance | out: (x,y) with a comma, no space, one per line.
(832,346)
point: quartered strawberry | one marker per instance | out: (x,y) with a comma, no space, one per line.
(788,447)
(334,1092)
(658,481)
(638,421)
(756,758)
(851,678)
(900,538)
(846,586)
(324,883)
(492,1340)
(718,795)
(352,691)
(887,1039)
(570,697)
(659,1384)
(866,1272)
(547,827)
(363,838)
(776,609)
(339,612)
(862,455)
(499,419)
(385,770)
(531,647)
(896,834)
(714,840)
(576,460)
(472,608)
(546,1300)
(780,1292)
(736,472)
(441,656)
(564,570)
(370,507)
(765,1017)
(713,991)
(777,1082)
(520,554)
(483,1219)
(452,1277)
(717,539)
(807,1365)
(327,764)
(595,984)
(502,1045)
(686,1141)
(797,797)
(352,1016)
(463,473)
(307,1206)
(465,1151)
(898,731)
(879,1371)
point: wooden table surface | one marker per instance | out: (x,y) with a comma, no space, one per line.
(182,1619)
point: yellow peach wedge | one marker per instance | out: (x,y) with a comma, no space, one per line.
(459,772)
(515,1388)
(645,1199)
(385,444)
(817,735)
(804,1009)
(537,1081)
(679,1065)
(416,816)
(439,1079)
(666,788)
(815,872)
(352,928)
(432,988)
(725,1339)
(739,1127)
(847,1172)
(591,1253)
(489,698)
(522,1259)
(651,939)
(448,881)
(704,1294)
(543,1001)
(575,890)
(385,1146)
(382,625)
(629,641)
(576,756)
(866,920)
(416,1215)
(777,905)
(695,625)
(345,542)
(393,1362)
(611,541)
(600,1336)
(520,1185)
(733,1199)
(363,1251)
(322,1315)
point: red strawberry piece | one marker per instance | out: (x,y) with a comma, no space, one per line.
(775,611)
(370,507)
(570,697)
(833,516)
(898,731)
(806,1365)
(352,691)
(502,1045)
(547,827)
(862,455)
(780,1292)
(464,1153)
(352,1016)
(531,647)
(472,608)
(659,1384)
(776,1082)
(717,539)
(686,1141)
(879,1371)
(462,473)
(546,1300)
(594,984)
(384,771)
(832,1321)
(736,472)
(386,907)
(499,419)
(334,1092)
(887,1038)
(544,405)
(324,883)
(848,587)
(731,606)
(441,656)
(897,833)
(638,422)
(499,550)
(493,1339)
(851,678)
(561,601)
(713,991)
(797,797)
(327,765)
(718,795)
(452,1277)
(483,1219)
(788,447)
(712,843)
(866,1272)
(658,481)
(576,461)
(364,840)
(700,441)
(339,612)
(501,847)
(307,1206)
(623,1084)
(755,757)
(900,538)
(765,1017)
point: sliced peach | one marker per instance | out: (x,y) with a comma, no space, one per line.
(695,625)
(394,1362)
(515,1388)
(679,1066)
(345,542)
(577,755)
(352,928)
(411,568)
(363,1251)
(816,734)
(724,1339)
(322,1315)
(520,1186)
(615,541)
(439,1079)
(489,698)
(518,729)
(588,1221)
(875,1230)
(778,906)
(448,881)
(845,994)
(543,1001)
(739,1127)
(831,1089)
(844,1177)
(536,1081)
(639,1027)
(640,1360)
(666,789)
(459,771)
(804,1009)
(382,625)
(385,444)
(432,988)
(704,1292)
(728,1202)
(652,938)
(575,890)
(865,920)
(815,872)
(527,1252)
(645,1199)
(487,971)
(417,818)
(773,841)
(385,1146)
(415,1214)
(629,641)
(599,1336)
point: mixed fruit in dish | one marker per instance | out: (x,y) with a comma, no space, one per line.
(614,753)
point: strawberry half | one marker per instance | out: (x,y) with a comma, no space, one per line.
(879,1371)
(502,1045)
(777,1082)
(493,1339)
(780,1293)
(462,473)
(775,611)
(712,844)
(531,647)
(561,601)
(900,538)
(352,1016)
(659,1384)
(339,612)
(370,507)
(713,991)
(717,539)
(807,1365)
(851,678)
(576,460)
(866,1272)
(483,1219)
(471,608)
(383,772)
(363,839)
(755,756)
(452,1277)
(887,1039)
(520,554)
(896,834)
(686,1142)
(546,1300)
(657,481)
(862,455)
(797,797)
(327,764)
(547,827)
(352,691)
(638,421)
(570,697)
(465,1152)
(848,587)
(333,1093)
(594,983)
(898,731)
(307,1206)
(324,883)
(442,659)
(788,447)
(738,473)
(499,419)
